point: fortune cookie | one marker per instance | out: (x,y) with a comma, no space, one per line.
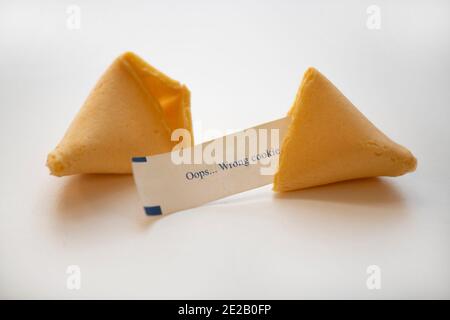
(330,140)
(131,111)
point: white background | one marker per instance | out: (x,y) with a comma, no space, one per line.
(243,61)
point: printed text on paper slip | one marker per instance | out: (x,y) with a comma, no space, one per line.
(189,177)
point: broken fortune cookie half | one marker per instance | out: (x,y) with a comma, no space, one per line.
(330,140)
(131,111)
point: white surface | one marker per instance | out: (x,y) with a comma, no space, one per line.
(243,62)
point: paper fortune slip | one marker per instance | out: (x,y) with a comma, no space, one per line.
(189,177)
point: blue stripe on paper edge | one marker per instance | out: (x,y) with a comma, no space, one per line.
(153,211)
(139,159)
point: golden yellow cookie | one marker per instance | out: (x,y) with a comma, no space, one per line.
(131,112)
(329,140)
